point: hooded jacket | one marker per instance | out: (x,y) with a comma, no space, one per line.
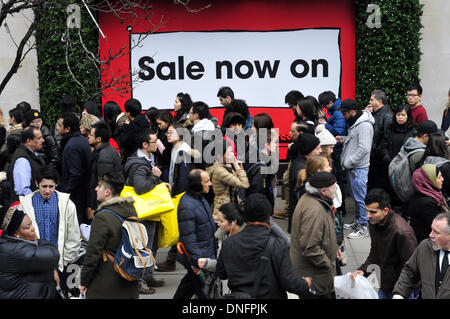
(68,229)
(138,172)
(358,143)
(203,125)
(412,144)
(336,123)
(98,275)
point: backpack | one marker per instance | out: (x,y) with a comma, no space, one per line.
(133,260)
(400,174)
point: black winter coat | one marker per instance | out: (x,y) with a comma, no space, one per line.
(239,262)
(105,159)
(49,147)
(26,269)
(75,167)
(383,117)
(393,139)
(422,210)
(197,228)
(297,164)
(127,136)
(138,173)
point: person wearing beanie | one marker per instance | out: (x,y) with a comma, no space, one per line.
(327,141)
(427,201)
(50,150)
(239,259)
(314,246)
(355,159)
(27,264)
(86,122)
(306,145)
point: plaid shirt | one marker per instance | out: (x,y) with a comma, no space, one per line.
(46,212)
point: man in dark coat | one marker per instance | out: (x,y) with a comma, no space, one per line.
(239,258)
(98,277)
(105,159)
(75,164)
(128,131)
(392,242)
(197,228)
(378,170)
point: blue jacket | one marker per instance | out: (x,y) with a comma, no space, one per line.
(197,228)
(336,123)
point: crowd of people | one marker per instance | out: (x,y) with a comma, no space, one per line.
(60,179)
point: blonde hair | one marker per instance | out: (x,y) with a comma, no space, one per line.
(2,118)
(313,164)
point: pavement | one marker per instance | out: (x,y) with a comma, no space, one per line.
(357,251)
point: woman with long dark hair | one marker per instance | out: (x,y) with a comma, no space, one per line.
(111,113)
(396,133)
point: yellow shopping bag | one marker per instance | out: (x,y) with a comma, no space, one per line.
(168,232)
(151,205)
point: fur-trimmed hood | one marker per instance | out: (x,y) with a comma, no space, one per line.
(123,206)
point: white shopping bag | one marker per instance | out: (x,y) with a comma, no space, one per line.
(347,288)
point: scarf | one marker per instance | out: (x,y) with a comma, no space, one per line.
(424,185)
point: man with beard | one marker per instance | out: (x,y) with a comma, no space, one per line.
(355,159)
(428,264)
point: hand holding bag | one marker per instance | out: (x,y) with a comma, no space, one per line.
(151,205)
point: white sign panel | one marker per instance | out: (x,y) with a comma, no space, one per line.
(260,67)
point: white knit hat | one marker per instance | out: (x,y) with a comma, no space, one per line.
(325,137)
